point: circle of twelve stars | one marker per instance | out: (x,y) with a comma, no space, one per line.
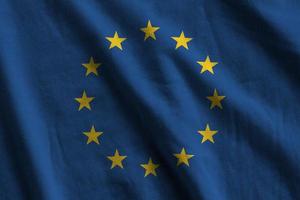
(84,102)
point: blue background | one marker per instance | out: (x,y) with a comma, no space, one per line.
(150,99)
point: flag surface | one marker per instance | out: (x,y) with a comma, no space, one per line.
(149,99)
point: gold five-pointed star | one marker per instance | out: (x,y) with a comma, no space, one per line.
(207,134)
(150,168)
(92,135)
(149,31)
(215,100)
(207,65)
(84,101)
(116,160)
(183,158)
(116,41)
(91,67)
(182,41)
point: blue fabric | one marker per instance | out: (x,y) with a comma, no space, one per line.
(150,99)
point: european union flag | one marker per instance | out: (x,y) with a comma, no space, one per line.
(149,100)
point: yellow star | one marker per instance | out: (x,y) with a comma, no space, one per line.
(93,135)
(116,160)
(84,101)
(149,31)
(91,67)
(182,41)
(150,168)
(183,158)
(215,100)
(116,41)
(207,65)
(207,134)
